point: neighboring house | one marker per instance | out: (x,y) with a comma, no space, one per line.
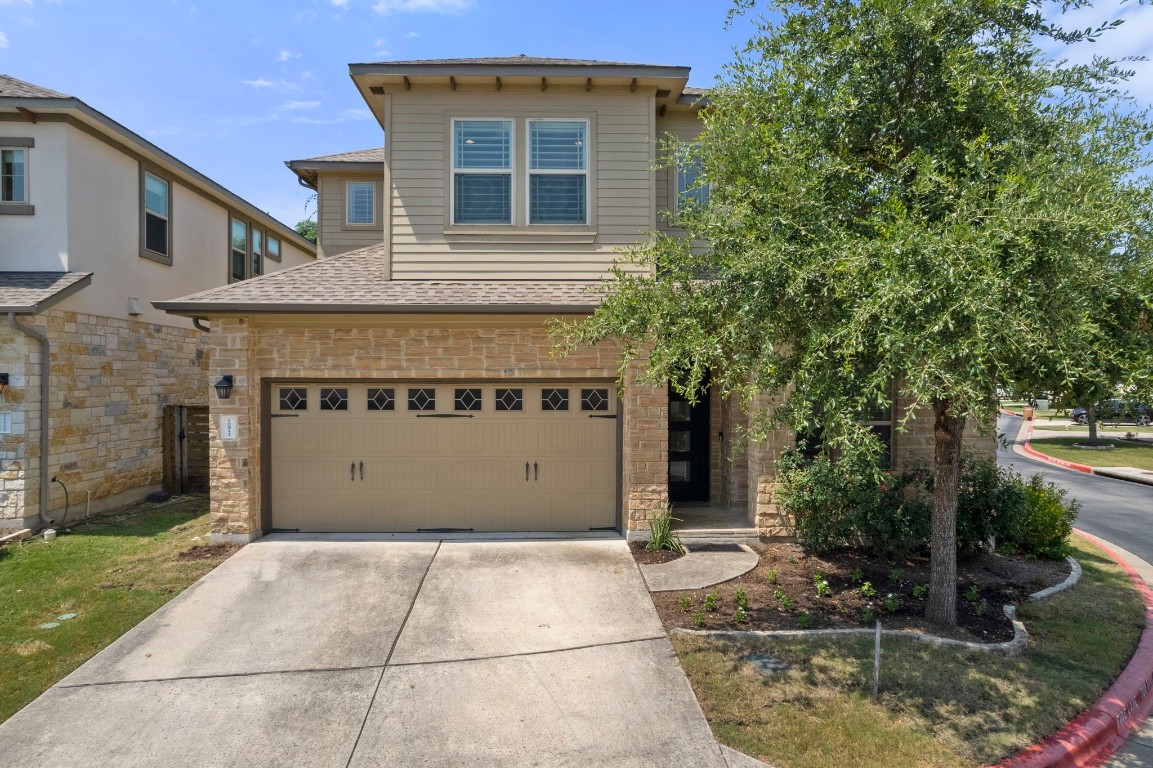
(95,224)
(407,381)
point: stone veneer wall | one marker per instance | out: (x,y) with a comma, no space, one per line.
(383,348)
(111,379)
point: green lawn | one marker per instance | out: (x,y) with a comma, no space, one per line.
(1068,426)
(1123,454)
(937,707)
(111,573)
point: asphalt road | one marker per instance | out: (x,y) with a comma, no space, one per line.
(1115,510)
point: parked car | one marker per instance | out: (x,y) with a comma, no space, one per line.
(1116,410)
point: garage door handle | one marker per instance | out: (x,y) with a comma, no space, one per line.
(535,473)
(526,471)
(444,415)
(352,471)
(362,470)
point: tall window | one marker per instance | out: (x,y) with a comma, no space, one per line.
(273,248)
(157,237)
(690,190)
(482,171)
(257,252)
(361,204)
(14,175)
(558,172)
(238,241)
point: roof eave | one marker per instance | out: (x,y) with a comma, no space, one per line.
(37,307)
(531,70)
(335,165)
(196,309)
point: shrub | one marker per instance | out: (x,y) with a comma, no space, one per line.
(1047,520)
(661,534)
(990,499)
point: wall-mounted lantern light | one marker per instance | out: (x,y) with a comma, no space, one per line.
(3,382)
(224,386)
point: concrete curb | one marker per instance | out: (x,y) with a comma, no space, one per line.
(1031,451)
(1091,737)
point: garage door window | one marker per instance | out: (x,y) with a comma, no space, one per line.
(467,400)
(594,399)
(554,399)
(381,399)
(510,399)
(422,399)
(294,399)
(333,399)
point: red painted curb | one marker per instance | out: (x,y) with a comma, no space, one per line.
(1029,449)
(1093,736)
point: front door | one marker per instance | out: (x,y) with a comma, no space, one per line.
(688,448)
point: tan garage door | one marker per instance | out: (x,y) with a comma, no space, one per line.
(433,456)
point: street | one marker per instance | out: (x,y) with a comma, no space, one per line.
(1116,510)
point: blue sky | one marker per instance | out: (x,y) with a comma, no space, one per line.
(236,88)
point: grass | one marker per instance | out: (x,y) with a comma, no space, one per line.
(1122,455)
(111,572)
(937,707)
(1071,427)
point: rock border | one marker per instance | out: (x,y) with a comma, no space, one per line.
(1012,647)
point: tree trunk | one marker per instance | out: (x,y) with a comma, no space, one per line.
(947,429)
(1091,416)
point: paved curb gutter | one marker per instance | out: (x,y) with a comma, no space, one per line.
(1009,648)
(1095,734)
(1029,449)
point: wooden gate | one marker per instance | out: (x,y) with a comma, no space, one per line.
(186,449)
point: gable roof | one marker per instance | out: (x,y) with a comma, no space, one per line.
(47,105)
(515,61)
(307,170)
(27,293)
(357,282)
(373,155)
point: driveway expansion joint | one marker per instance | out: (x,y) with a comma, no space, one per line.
(222,675)
(608,644)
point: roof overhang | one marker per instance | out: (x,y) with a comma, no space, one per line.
(308,170)
(202,309)
(56,287)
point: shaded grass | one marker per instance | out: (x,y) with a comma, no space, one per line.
(1123,454)
(111,572)
(937,707)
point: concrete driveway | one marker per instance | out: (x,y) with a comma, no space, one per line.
(384,653)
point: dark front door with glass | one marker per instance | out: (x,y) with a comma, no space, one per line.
(688,448)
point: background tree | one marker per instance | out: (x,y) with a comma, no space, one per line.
(306,228)
(902,191)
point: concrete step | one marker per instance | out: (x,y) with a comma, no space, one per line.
(690,536)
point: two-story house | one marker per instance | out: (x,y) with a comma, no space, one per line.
(406,380)
(95,224)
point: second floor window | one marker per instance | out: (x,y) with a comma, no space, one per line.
(557,172)
(238,251)
(273,248)
(156,208)
(690,190)
(13,176)
(361,204)
(257,252)
(482,172)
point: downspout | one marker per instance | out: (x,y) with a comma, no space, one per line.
(198,322)
(45,433)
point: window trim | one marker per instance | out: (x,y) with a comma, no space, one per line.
(256,257)
(677,195)
(23,207)
(510,171)
(268,241)
(147,169)
(529,172)
(348,207)
(232,216)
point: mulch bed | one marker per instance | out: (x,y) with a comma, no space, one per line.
(999,579)
(649,556)
(208,552)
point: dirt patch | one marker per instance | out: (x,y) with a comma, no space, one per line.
(208,552)
(650,556)
(31,648)
(782,593)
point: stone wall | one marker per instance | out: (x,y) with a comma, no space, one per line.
(111,379)
(382,348)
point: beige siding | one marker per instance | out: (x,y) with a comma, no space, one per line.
(620,179)
(336,236)
(685,128)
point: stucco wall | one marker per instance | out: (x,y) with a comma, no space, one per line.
(39,242)
(111,379)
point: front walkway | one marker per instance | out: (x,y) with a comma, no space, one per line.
(339,653)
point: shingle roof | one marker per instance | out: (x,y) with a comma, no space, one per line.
(11,87)
(31,292)
(357,282)
(374,155)
(514,61)
(690,91)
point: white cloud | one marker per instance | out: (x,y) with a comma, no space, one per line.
(355,114)
(412,34)
(15,2)
(443,7)
(3,40)
(285,55)
(258,83)
(280,85)
(339,3)
(294,105)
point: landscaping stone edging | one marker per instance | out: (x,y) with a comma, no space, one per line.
(1009,647)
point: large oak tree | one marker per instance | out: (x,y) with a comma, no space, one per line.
(909,192)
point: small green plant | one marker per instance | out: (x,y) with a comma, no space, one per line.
(771,576)
(858,575)
(742,598)
(661,534)
(711,600)
(740,615)
(972,594)
(785,601)
(867,590)
(804,620)
(685,602)
(891,603)
(823,588)
(698,619)
(896,575)
(920,591)
(867,616)
(793,559)
(981,608)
